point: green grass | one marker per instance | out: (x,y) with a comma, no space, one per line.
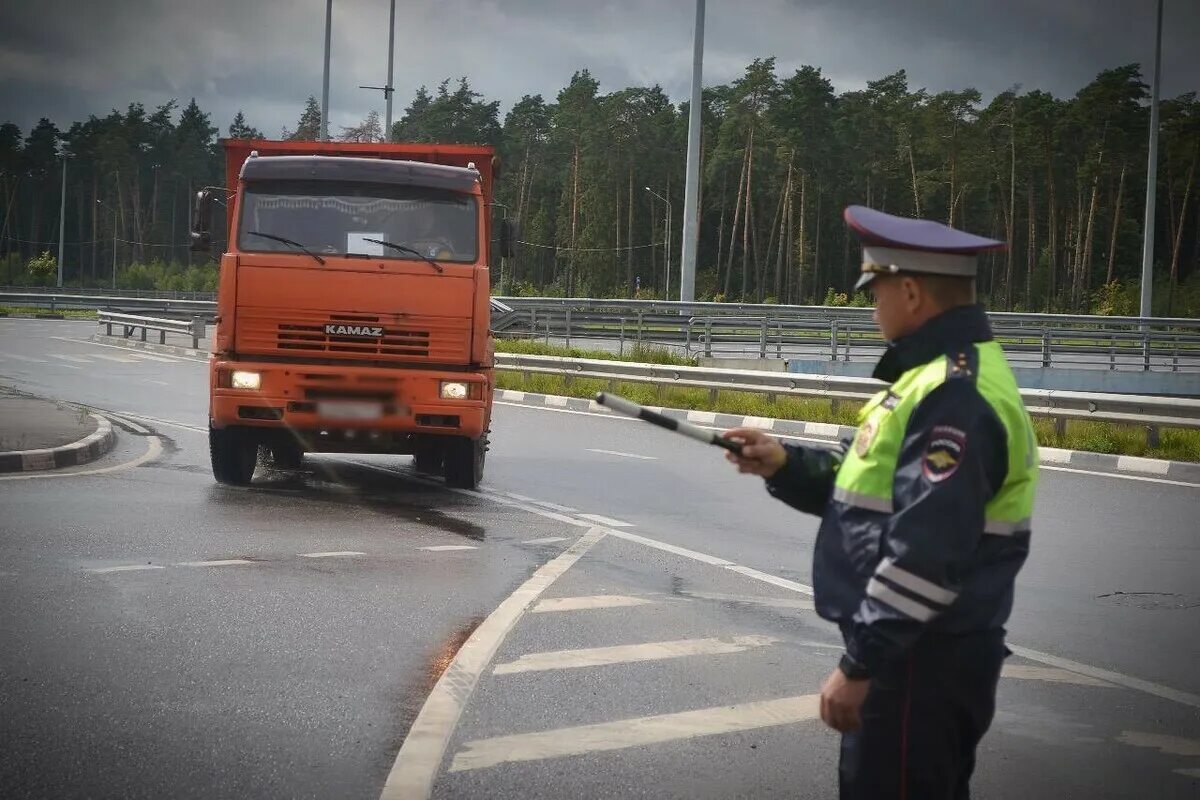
(68,313)
(640,353)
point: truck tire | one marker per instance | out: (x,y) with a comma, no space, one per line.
(463,467)
(234,455)
(428,455)
(287,456)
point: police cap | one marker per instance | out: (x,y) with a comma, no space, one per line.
(892,244)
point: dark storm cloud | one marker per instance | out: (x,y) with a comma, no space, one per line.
(64,59)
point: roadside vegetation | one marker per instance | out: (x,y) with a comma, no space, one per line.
(1097,437)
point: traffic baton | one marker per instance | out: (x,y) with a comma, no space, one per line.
(632,409)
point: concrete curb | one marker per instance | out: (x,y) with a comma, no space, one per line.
(89,448)
(1050,456)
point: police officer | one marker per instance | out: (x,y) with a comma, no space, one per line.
(925,519)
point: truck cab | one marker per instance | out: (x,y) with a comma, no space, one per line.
(353,306)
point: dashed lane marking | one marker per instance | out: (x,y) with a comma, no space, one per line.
(125,568)
(1051,675)
(774,580)
(588,602)
(333,554)
(623,455)
(225,562)
(30,359)
(138,356)
(545,540)
(547,504)
(630,653)
(119,359)
(772,602)
(636,732)
(76,359)
(1129,682)
(1188,773)
(155,357)
(158,421)
(416,766)
(442,548)
(609,521)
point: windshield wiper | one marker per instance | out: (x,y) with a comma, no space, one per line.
(403,248)
(296,245)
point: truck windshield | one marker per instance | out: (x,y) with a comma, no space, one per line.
(334,218)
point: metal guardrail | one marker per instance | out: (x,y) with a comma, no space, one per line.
(195,327)
(1151,412)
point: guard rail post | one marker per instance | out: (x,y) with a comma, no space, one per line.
(762,339)
(197,332)
(833,340)
(1046,348)
(708,337)
(568,331)
(1146,350)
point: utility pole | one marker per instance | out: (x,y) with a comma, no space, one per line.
(325,83)
(1151,178)
(62,217)
(388,89)
(691,195)
(666,245)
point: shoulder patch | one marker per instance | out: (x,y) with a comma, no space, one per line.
(962,364)
(944,453)
(864,437)
(891,401)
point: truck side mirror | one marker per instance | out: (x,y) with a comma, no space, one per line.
(201,233)
(508,238)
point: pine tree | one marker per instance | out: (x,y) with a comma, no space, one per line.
(238,129)
(308,128)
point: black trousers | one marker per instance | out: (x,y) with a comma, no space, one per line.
(922,719)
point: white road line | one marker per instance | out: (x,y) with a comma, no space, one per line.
(156,383)
(1121,476)
(1051,675)
(441,548)
(118,359)
(630,653)
(416,766)
(588,602)
(130,350)
(670,548)
(24,358)
(623,455)
(124,568)
(545,540)
(609,521)
(1172,745)
(1129,682)
(76,359)
(637,732)
(157,421)
(1188,773)
(225,562)
(774,580)
(153,451)
(546,503)
(772,602)
(137,355)
(333,554)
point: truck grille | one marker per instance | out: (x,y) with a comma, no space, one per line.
(302,334)
(312,338)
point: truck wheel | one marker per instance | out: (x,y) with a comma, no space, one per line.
(287,456)
(428,454)
(233,454)
(464,457)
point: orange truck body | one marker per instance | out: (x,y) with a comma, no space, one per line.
(375,338)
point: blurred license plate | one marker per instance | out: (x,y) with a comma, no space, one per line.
(349,409)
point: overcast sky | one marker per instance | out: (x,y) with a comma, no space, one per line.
(66,59)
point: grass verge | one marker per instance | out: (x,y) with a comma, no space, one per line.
(66,313)
(1097,437)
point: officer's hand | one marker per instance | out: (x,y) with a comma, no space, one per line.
(841,701)
(761,454)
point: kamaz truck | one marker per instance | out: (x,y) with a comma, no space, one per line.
(353,305)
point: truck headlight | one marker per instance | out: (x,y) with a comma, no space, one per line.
(454,390)
(244,379)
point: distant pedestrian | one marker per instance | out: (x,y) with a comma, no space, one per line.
(925,519)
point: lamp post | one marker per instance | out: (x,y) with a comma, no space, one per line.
(1151,179)
(325,79)
(666,245)
(62,216)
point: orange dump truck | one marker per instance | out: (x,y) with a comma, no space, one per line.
(353,306)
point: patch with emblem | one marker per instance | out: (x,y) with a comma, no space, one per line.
(944,453)
(864,437)
(891,401)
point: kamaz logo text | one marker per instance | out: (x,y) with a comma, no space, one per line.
(353,330)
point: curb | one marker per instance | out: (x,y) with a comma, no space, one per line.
(1050,456)
(86,449)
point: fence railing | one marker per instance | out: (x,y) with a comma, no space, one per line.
(130,324)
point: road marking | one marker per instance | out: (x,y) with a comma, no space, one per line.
(630,653)
(1171,745)
(545,540)
(332,554)
(125,568)
(1122,477)
(636,732)
(609,521)
(225,562)
(416,766)
(623,455)
(157,421)
(119,359)
(670,548)
(588,602)
(140,356)
(1188,773)
(1051,675)
(153,451)
(130,350)
(546,503)
(156,383)
(441,548)
(774,580)
(76,359)
(1156,689)
(773,602)
(24,358)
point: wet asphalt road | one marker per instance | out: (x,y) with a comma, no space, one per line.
(288,675)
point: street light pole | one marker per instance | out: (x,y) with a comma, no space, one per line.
(325,82)
(691,192)
(1151,179)
(666,245)
(62,217)
(387,134)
